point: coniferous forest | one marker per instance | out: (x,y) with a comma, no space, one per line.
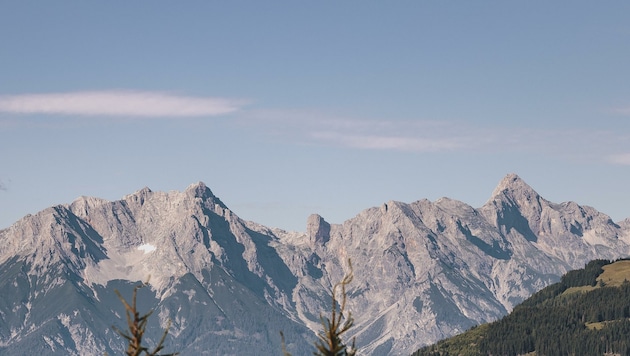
(586,313)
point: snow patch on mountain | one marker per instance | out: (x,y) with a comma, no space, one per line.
(147,248)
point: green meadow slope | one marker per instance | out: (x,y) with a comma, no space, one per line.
(586,313)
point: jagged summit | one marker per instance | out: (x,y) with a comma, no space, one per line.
(513,193)
(83,204)
(201,190)
(512,184)
(317,229)
(139,196)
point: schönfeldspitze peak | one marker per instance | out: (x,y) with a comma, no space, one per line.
(512,185)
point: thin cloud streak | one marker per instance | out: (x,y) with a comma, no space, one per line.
(622,111)
(306,127)
(118,103)
(620,159)
(376,142)
(433,136)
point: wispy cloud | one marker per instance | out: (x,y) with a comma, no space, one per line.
(430,136)
(118,103)
(622,111)
(2,186)
(369,134)
(385,142)
(621,159)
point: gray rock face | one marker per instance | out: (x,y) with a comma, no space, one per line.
(423,270)
(317,229)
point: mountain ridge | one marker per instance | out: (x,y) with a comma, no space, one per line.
(423,270)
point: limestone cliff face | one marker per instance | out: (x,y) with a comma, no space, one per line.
(317,229)
(423,270)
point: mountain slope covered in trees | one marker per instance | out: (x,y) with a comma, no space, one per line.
(586,313)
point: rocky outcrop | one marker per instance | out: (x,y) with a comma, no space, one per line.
(317,229)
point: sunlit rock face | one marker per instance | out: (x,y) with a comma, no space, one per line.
(422,271)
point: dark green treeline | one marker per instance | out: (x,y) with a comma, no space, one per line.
(586,321)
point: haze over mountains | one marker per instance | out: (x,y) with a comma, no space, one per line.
(423,270)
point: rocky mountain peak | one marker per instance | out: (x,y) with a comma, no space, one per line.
(201,190)
(317,229)
(513,193)
(83,204)
(513,185)
(140,196)
(515,207)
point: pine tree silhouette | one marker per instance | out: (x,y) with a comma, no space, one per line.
(330,342)
(137,325)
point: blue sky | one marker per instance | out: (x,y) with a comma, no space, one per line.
(287,108)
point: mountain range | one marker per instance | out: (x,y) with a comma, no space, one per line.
(423,270)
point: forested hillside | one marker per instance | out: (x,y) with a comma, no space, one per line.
(586,313)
